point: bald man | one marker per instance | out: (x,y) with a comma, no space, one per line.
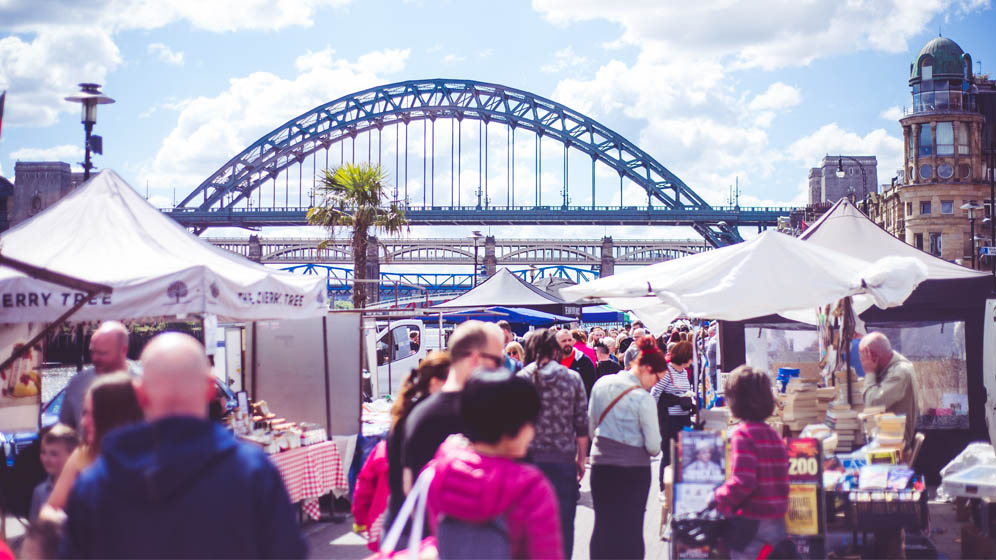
(108,354)
(889,380)
(178,485)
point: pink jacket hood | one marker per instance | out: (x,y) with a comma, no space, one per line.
(476,488)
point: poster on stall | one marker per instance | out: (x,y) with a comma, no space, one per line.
(20,382)
(700,467)
(804,519)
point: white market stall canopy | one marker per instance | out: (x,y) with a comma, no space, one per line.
(769,274)
(505,289)
(844,228)
(105,232)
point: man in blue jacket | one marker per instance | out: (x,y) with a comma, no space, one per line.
(178,485)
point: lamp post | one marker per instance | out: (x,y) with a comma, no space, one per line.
(475,235)
(971,207)
(89,97)
(841,173)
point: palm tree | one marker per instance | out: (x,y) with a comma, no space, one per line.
(352,196)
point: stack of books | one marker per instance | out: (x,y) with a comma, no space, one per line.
(890,431)
(844,421)
(857,389)
(800,403)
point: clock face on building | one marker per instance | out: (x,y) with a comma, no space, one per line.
(945,171)
(926,171)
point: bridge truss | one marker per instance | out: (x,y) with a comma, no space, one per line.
(234,194)
(507,252)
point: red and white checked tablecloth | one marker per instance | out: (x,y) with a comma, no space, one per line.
(310,472)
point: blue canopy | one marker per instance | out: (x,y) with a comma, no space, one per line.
(514,315)
(602,314)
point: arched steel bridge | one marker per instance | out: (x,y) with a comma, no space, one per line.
(462,251)
(234,194)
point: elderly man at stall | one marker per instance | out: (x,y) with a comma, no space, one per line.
(108,354)
(889,381)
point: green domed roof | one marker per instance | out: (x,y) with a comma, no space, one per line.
(946,58)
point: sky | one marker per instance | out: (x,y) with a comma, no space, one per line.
(720,92)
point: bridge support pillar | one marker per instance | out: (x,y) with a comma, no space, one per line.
(490,260)
(373,270)
(608,264)
(255,249)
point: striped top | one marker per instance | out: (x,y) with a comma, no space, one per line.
(674,382)
(758,484)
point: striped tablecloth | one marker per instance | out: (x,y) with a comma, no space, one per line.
(310,472)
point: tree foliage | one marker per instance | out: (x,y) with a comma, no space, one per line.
(355,196)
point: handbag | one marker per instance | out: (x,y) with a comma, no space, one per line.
(413,508)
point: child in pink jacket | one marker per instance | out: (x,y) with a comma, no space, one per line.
(370,495)
(481,480)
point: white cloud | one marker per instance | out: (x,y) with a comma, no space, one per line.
(65,152)
(893,113)
(777,96)
(562,60)
(117,15)
(451,58)
(831,139)
(767,33)
(210,130)
(165,54)
(39,73)
(48,50)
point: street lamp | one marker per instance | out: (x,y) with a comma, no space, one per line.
(971,207)
(841,173)
(475,235)
(89,97)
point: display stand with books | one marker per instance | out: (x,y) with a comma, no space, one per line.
(805,521)
(700,466)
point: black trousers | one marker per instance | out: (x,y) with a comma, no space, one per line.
(674,425)
(619,495)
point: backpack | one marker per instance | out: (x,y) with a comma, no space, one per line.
(459,539)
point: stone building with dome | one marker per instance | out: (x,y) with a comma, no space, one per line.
(947,148)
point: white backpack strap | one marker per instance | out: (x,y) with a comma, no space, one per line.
(413,508)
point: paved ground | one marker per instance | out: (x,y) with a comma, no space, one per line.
(331,540)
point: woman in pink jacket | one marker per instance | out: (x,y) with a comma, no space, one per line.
(370,496)
(480,481)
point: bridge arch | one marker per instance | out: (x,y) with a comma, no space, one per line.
(415,100)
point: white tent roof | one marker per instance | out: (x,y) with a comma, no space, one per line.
(769,274)
(844,228)
(505,289)
(105,232)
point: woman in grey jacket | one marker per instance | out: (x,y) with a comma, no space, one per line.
(560,446)
(622,417)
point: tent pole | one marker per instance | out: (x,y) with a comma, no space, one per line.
(252,365)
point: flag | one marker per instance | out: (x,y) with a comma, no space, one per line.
(3,96)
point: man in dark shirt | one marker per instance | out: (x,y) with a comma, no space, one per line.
(575,359)
(605,364)
(473,345)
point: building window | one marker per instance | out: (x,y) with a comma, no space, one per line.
(925,207)
(918,241)
(909,208)
(947,207)
(935,243)
(945,139)
(963,143)
(964,170)
(927,70)
(945,171)
(926,140)
(926,171)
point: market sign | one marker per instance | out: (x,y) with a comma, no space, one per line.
(803,520)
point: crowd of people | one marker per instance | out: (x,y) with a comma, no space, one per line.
(506,427)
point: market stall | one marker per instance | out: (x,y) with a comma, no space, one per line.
(772,273)
(104,232)
(507,290)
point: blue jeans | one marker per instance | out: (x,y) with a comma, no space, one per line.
(769,531)
(564,479)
